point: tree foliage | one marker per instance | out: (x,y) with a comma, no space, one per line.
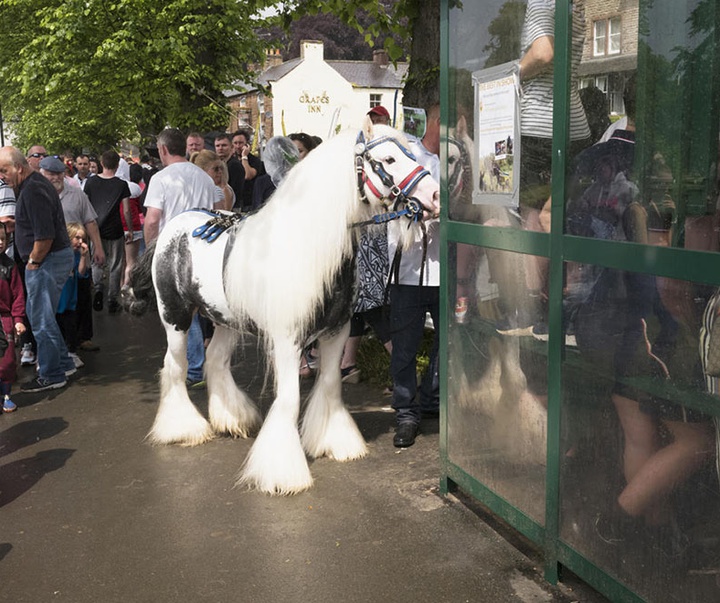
(407,28)
(89,72)
(341,41)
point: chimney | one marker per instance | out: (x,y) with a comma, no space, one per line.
(380,58)
(273,58)
(311,50)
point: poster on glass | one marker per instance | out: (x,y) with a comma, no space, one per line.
(497,125)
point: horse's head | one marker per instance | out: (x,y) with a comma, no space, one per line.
(389,175)
(459,164)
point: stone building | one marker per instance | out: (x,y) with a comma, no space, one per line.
(611,45)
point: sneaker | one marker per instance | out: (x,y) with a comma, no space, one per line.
(114,307)
(28,356)
(506,327)
(350,374)
(98,301)
(40,385)
(77,360)
(70,372)
(540,331)
(9,405)
(193,384)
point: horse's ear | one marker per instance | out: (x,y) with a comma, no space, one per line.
(461,130)
(367,128)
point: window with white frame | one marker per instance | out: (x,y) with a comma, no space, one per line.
(606,37)
(375,100)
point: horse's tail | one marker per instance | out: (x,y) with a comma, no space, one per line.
(139,296)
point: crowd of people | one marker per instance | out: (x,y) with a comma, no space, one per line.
(72,227)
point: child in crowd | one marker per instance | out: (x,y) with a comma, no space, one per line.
(66,313)
(12,315)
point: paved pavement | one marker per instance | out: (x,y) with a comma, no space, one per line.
(89,512)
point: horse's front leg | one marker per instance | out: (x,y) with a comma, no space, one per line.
(230,409)
(177,420)
(327,427)
(276,463)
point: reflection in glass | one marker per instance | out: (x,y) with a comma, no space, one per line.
(497,354)
(638,487)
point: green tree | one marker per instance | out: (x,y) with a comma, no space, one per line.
(408,28)
(505,31)
(89,72)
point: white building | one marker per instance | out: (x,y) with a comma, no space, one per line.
(318,97)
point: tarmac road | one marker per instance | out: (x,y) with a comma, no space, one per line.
(89,512)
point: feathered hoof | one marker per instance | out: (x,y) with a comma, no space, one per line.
(236,427)
(340,439)
(274,486)
(160,436)
(348,453)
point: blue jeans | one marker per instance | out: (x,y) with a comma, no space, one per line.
(195,350)
(408,307)
(44,286)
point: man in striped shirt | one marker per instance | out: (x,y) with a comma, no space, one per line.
(536,103)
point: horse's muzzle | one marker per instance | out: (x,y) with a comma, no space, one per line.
(427,193)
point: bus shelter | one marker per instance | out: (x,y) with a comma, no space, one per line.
(580,250)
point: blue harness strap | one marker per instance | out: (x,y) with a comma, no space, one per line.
(218,224)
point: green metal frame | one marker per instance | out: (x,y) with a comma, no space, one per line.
(701,267)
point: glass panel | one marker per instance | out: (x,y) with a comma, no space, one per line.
(497,390)
(490,33)
(639,491)
(664,156)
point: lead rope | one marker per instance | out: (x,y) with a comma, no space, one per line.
(397,259)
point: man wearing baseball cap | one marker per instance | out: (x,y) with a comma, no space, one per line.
(379,115)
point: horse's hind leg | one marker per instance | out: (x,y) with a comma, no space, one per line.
(276,463)
(230,410)
(177,420)
(327,427)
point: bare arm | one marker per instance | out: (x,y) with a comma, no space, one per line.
(128,219)
(40,249)
(250,171)
(538,58)
(152,224)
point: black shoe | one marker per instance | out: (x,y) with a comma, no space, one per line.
(40,385)
(98,301)
(113,307)
(405,435)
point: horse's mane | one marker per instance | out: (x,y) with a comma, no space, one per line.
(287,254)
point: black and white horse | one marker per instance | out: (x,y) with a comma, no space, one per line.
(286,272)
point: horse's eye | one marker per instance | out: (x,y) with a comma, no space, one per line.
(390,160)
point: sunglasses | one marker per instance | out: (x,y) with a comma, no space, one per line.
(37,155)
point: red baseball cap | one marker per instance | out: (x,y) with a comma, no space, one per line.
(379,110)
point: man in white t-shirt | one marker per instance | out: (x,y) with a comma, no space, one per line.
(179,186)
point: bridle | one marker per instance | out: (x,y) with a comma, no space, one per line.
(460,171)
(398,194)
